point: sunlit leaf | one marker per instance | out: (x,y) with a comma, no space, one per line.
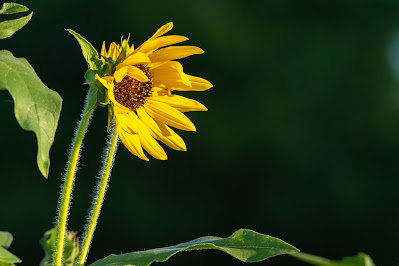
(9,27)
(11,8)
(6,257)
(360,259)
(5,239)
(37,108)
(245,245)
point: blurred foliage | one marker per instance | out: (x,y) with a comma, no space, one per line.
(301,136)
(71,249)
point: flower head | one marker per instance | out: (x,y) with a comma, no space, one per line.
(140,84)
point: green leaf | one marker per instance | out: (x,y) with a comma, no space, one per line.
(245,245)
(360,259)
(9,27)
(12,8)
(89,53)
(5,239)
(71,249)
(37,108)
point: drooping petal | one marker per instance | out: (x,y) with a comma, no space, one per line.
(157,91)
(131,142)
(168,115)
(106,81)
(150,46)
(125,122)
(174,52)
(122,70)
(136,58)
(120,73)
(180,103)
(197,84)
(162,132)
(146,140)
(137,73)
(168,73)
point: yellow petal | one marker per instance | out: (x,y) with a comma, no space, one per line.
(130,49)
(114,51)
(180,103)
(146,140)
(136,58)
(103,53)
(138,74)
(197,84)
(125,122)
(161,132)
(131,142)
(168,73)
(131,71)
(106,81)
(150,46)
(168,115)
(120,73)
(156,91)
(174,52)
(162,30)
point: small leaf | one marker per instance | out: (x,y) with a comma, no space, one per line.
(9,27)
(71,249)
(245,245)
(5,239)
(360,259)
(12,8)
(37,108)
(89,53)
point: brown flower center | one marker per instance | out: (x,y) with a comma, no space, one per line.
(132,93)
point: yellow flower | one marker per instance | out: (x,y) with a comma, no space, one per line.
(139,86)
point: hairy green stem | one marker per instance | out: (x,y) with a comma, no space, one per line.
(102,185)
(68,183)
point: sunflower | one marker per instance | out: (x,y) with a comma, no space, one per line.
(140,84)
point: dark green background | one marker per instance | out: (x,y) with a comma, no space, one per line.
(301,140)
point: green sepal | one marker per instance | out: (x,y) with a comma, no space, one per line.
(111,116)
(6,257)
(12,8)
(89,53)
(109,60)
(71,249)
(245,245)
(97,92)
(36,107)
(360,259)
(123,52)
(9,27)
